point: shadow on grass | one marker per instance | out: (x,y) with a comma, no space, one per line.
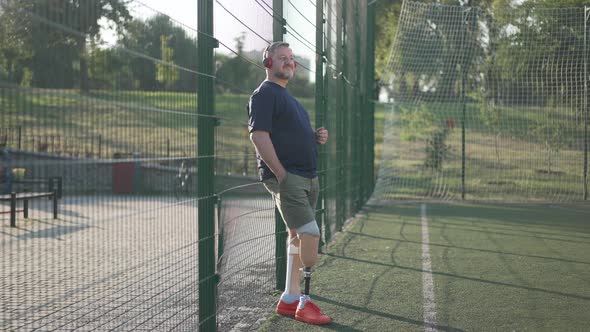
(531,215)
(334,326)
(507,219)
(491,282)
(467,248)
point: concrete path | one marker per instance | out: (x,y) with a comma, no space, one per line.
(128,263)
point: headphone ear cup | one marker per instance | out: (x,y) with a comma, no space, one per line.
(267,62)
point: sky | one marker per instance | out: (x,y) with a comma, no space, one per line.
(186,12)
(253,13)
(250,12)
(234,18)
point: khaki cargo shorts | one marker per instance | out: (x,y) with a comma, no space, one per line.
(296,198)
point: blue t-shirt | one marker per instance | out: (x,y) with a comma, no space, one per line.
(273,109)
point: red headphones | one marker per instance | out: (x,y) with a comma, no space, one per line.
(267,61)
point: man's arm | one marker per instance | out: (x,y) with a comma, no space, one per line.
(264,147)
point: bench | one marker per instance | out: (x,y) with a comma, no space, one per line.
(54,192)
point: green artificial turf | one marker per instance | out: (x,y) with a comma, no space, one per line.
(495,268)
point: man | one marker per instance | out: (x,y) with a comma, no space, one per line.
(286,148)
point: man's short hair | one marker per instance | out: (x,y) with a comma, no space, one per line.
(270,49)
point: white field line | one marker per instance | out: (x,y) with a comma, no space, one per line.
(427,282)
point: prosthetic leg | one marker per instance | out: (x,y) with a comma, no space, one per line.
(307,279)
(307,311)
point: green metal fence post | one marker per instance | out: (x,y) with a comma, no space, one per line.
(586,17)
(370,79)
(320,116)
(463,100)
(205,177)
(279,22)
(358,131)
(342,149)
(338,114)
(328,188)
(219,231)
(364,108)
(278,30)
(20,135)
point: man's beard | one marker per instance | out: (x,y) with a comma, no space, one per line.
(283,75)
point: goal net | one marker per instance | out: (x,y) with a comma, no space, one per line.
(486,105)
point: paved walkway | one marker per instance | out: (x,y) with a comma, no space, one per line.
(122,263)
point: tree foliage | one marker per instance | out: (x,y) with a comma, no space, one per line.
(240,74)
(166,74)
(49,38)
(158,38)
(499,40)
(235,73)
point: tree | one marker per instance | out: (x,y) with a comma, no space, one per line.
(146,38)
(385,29)
(167,74)
(32,52)
(15,41)
(516,34)
(554,135)
(49,36)
(109,68)
(235,74)
(88,14)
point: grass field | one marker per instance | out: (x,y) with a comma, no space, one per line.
(104,123)
(494,268)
